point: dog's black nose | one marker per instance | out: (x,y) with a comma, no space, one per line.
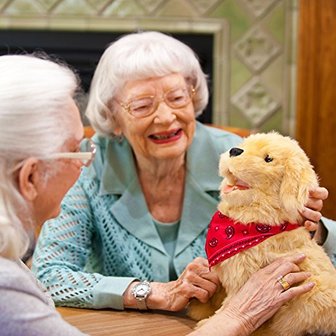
(235,151)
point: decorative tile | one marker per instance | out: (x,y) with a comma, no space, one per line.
(124,8)
(259,7)
(256,49)
(203,6)
(274,122)
(48,4)
(240,74)
(73,7)
(255,102)
(150,5)
(24,8)
(3,3)
(177,8)
(275,22)
(232,12)
(98,4)
(238,119)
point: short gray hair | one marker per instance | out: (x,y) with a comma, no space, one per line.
(34,94)
(139,56)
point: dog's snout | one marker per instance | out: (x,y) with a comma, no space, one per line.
(235,151)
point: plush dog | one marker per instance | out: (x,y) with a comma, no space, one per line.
(266,184)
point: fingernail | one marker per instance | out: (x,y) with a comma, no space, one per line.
(310,284)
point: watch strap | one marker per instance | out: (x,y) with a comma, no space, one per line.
(141,304)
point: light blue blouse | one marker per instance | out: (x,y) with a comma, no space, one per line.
(105,237)
(168,234)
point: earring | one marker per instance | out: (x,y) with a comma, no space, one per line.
(119,137)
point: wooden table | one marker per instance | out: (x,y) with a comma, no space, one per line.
(111,322)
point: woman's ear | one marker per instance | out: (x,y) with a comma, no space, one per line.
(116,125)
(28,179)
(114,121)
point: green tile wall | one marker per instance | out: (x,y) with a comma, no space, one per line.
(254,54)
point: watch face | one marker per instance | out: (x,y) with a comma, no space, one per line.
(142,290)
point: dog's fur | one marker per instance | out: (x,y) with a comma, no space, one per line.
(277,191)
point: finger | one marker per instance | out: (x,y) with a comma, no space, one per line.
(314,204)
(287,267)
(202,295)
(199,282)
(189,290)
(311,226)
(200,261)
(291,279)
(296,258)
(296,291)
(286,264)
(209,275)
(208,282)
(319,193)
(199,269)
(200,275)
(311,215)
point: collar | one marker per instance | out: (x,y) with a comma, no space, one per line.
(117,165)
(226,237)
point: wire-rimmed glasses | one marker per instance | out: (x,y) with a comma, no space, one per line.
(85,155)
(143,106)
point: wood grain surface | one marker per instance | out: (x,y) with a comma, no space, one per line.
(122,323)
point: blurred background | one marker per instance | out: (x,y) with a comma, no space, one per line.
(271,63)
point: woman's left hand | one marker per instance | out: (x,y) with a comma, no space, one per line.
(312,211)
(196,281)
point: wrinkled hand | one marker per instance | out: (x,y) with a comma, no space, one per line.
(196,281)
(312,211)
(262,295)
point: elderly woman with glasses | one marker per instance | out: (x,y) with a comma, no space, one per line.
(132,230)
(40,158)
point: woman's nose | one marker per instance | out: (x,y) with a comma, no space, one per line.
(235,151)
(164,113)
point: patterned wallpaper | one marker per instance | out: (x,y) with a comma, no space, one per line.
(254,52)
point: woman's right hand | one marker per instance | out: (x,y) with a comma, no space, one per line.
(196,281)
(262,295)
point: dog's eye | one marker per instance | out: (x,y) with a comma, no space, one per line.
(268,158)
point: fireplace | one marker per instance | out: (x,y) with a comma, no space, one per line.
(82,50)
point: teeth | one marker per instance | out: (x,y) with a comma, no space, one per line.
(162,137)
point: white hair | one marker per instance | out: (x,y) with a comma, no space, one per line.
(34,94)
(139,56)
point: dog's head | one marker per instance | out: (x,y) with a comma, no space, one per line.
(266,179)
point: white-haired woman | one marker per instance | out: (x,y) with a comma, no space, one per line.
(132,230)
(40,135)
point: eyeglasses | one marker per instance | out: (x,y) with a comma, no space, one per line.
(144,106)
(86,154)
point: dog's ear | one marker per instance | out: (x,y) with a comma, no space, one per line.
(298,179)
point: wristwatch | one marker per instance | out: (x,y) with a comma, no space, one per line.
(140,293)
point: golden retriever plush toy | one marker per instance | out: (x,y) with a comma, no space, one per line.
(266,183)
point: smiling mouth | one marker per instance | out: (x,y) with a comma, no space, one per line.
(165,136)
(234,184)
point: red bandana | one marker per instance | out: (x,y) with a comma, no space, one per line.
(225,237)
